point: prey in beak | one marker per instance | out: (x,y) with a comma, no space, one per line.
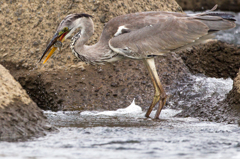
(55,43)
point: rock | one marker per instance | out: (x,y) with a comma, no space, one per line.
(64,83)
(27,39)
(20,117)
(226,110)
(220,60)
(73,89)
(233,97)
(60,84)
(201,5)
(214,59)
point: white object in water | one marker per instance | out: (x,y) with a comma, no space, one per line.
(132,110)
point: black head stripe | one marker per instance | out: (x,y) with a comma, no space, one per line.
(82,15)
(77,16)
(72,17)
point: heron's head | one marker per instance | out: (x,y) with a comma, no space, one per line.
(67,26)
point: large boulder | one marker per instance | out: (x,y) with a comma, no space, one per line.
(29,25)
(64,83)
(86,87)
(217,109)
(19,115)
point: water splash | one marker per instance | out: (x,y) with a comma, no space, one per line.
(131,110)
(197,89)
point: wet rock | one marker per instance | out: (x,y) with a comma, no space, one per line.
(220,60)
(200,5)
(20,117)
(233,98)
(214,59)
(221,111)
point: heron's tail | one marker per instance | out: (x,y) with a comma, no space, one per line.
(216,21)
(226,16)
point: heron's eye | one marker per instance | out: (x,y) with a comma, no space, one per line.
(65,29)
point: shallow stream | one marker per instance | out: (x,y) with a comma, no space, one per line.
(126,133)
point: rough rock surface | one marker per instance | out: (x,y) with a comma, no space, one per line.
(200,5)
(233,98)
(218,110)
(220,60)
(60,84)
(19,115)
(109,86)
(27,26)
(214,59)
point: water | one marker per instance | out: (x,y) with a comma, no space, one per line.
(231,36)
(126,133)
(197,89)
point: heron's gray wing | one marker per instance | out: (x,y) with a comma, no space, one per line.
(131,22)
(165,36)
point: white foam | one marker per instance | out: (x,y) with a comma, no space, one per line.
(132,110)
(209,86)
(165,113)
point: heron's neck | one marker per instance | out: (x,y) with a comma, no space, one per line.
(87,29)
(78,40)
(84,52)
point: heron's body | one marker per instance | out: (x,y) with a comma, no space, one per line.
(142,36)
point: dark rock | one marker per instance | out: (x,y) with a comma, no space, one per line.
(219,60)
(201,5)
(214,59)
(20,118)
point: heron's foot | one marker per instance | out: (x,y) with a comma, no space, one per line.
(157,98)
(154,102)
(147,116)
(162,102)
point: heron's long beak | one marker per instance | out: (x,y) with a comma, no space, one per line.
(55,38)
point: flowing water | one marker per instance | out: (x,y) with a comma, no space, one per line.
(126,133)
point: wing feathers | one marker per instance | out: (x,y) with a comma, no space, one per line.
(159,38)
(169,32)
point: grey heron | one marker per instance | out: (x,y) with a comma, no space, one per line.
(140,36)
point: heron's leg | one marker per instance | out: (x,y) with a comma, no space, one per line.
(160,94)
(156,97)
